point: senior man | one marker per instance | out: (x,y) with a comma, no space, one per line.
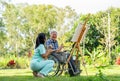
(53,43)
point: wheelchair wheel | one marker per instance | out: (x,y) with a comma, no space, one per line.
(56,66)
(61,69)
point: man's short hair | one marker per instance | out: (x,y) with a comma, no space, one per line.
(53,31)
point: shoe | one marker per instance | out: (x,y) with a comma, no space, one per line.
(77,72)
(40,75)
(34,74)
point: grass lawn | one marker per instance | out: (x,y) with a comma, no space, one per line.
(111,73)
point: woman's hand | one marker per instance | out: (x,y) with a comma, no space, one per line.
(49,51)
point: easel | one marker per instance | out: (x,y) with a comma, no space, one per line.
(76,47)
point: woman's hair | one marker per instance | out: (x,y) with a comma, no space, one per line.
(40,39)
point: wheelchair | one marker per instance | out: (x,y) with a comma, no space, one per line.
(77,38)
(59,67)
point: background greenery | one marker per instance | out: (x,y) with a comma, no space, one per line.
(21,23)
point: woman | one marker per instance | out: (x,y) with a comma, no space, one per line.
(39,64)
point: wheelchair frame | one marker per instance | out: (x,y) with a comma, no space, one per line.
(59,67)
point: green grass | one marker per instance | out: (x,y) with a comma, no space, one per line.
(111,73)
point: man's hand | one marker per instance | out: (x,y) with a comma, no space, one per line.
(60,48)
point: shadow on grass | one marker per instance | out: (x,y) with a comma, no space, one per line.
(60,78)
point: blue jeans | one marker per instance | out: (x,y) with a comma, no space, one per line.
(43,67)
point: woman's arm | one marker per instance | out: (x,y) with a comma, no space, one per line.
(48,52)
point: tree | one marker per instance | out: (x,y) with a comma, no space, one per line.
(24,22)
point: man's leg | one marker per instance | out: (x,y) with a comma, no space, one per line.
(73,70)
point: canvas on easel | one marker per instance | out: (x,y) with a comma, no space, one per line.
(78,36)
(77,33)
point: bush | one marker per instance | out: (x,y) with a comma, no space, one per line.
(118,61)
(11,62)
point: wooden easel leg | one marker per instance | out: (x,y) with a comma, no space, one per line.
(71,53)
(76,61)
(76,46)
(83,60)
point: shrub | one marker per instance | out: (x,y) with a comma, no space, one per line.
(118,61)
(11,62)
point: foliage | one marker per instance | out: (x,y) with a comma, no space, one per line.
(118,60)
(101,43)
(12,62)
(102,76)
(97,57)
(23,23)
